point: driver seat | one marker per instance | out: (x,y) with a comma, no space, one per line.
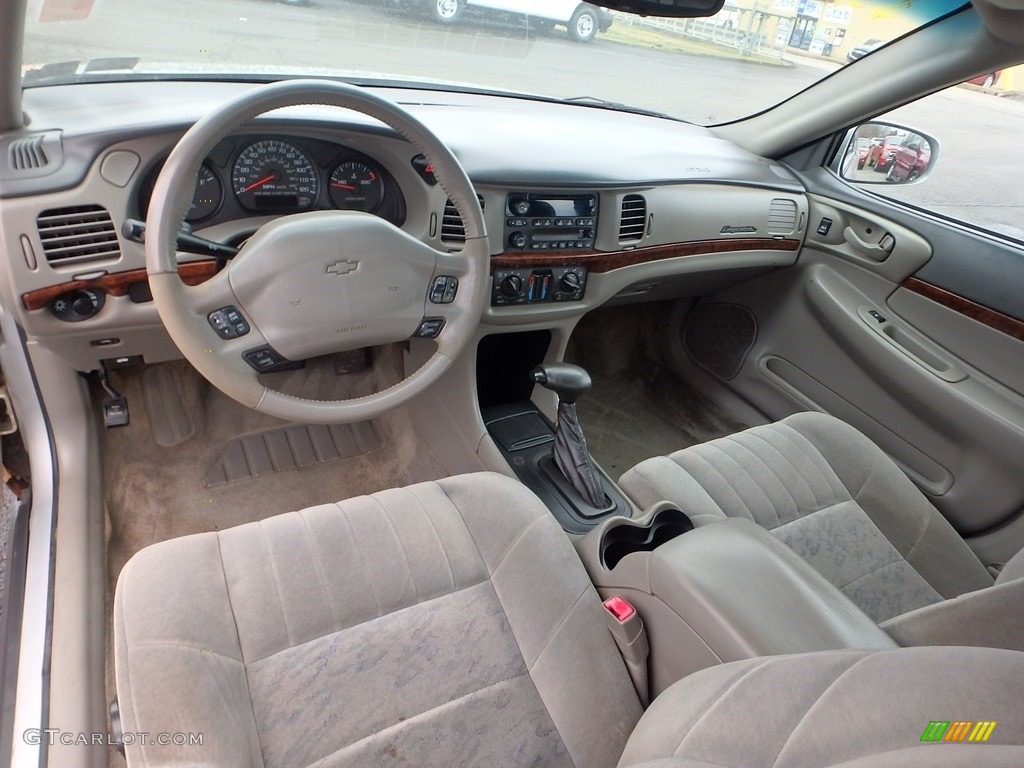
(451,623)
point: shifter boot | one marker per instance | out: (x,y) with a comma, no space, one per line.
(572,457)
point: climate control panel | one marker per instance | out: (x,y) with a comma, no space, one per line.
(537,285)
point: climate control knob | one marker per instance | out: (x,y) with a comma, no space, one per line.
(511,286)
(517,240)
(569,282)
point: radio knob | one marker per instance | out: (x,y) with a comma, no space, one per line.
(520,207)
(569,282)
(517,240)
(511,286)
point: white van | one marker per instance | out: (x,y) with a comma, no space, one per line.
(582,20)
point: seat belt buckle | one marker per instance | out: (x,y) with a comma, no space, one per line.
(627,628)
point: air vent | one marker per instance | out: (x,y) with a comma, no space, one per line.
(634,218)
(29,156)
(25,154)
(781,216)
(453,231)
(77,234)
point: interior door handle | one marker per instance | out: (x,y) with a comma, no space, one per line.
(877,251)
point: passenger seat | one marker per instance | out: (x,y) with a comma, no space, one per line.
(833,496)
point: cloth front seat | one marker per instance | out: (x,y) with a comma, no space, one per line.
(834,497)
(447,623)
(451,623)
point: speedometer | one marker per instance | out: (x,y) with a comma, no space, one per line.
(271,175)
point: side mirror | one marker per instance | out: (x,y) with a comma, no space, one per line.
(882,153)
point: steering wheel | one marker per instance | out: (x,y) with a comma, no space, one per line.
(320,282)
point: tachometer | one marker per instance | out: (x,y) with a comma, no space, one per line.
(356,185)
(272,175)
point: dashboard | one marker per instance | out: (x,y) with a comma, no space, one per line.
(644,209)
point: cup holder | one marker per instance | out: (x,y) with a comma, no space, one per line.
(628,537)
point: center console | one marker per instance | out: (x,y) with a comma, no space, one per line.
(538,224)
(724,591)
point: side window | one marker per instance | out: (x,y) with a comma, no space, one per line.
(976,173)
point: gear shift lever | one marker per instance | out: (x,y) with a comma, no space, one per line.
(571,456)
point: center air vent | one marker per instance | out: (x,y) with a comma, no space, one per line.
(453,231)
(634,218)
(77,234)
(781,216)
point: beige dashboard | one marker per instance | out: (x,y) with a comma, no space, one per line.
(697,216)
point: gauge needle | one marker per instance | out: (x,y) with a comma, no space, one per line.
(261,182)
(349,187)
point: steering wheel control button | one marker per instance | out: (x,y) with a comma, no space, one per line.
(443,289)
(430,328)
(228,322)
(263,358)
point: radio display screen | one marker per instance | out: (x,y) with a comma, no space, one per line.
(537,205)
(542,221)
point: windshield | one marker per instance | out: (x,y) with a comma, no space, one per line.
(749,56)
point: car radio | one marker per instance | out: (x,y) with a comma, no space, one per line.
(536,221)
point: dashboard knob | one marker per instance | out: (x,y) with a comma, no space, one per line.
(517,240)
(521,206)
(511,286)
(82,305)
(569,282)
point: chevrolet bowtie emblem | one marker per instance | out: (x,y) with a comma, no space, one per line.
(342,267)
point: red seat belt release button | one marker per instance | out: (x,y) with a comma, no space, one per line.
(630,636)
(620,608)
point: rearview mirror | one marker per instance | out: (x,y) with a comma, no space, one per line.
(882,153)
(670,8)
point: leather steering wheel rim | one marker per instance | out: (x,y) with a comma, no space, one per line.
(185,310)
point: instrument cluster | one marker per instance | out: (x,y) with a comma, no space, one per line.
(280,175)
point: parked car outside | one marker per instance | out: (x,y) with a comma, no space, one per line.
(910,159)
(882,153)
(581,20)
(864,49)
(987,80)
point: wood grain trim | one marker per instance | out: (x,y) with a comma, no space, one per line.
(1011,326)
(118,283)
(605,261)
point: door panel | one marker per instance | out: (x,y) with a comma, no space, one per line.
(937,389)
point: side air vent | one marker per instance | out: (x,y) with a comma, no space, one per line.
(77,234)
(634,218)
(453,231)
(25,154)
(30,156)
(781,216)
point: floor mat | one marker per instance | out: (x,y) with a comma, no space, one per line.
(627,420)
(638,408)
(291,447)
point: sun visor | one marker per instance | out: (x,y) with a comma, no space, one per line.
(1004,19)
